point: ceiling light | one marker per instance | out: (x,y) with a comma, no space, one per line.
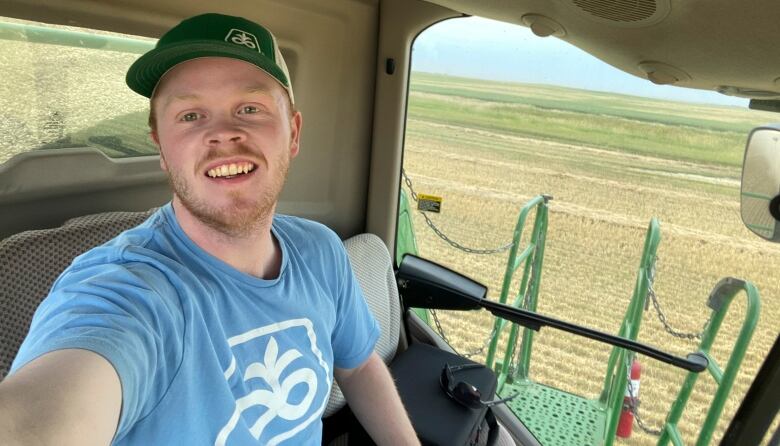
(663,74)
(543,26)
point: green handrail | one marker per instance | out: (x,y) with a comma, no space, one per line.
(538,238)
(531,257)
(632,321)
(620,360)
(719,301)
(406,242)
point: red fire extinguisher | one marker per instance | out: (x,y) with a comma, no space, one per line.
(626,422)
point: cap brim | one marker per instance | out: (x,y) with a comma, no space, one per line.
(145,73)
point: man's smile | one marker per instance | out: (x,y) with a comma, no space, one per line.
(230,170)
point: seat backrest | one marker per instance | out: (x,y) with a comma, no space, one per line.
(31,261)
(374,270)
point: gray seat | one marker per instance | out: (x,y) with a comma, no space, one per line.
(30,261)
(374,270)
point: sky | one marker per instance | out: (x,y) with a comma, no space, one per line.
(487,49)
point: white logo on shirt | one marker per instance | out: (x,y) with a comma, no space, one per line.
(275,394)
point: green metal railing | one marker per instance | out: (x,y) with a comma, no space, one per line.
(720,299)
(531,258)
(619,364)
(605,410)
(405,242)
(610,401)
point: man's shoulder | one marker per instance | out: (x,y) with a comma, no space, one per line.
(114,251)
(299,229)
(136,258)
(309,240)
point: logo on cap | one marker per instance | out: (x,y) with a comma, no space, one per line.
(240,37)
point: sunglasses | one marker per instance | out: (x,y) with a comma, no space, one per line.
(464,393)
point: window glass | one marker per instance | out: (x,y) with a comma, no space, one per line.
(497,116)
(64,87)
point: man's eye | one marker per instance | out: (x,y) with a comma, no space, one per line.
(189,117)
(248,110)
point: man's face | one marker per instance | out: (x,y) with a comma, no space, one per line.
(226,136)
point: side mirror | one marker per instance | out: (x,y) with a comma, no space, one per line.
(760,196)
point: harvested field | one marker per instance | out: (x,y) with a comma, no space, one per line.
(677,162)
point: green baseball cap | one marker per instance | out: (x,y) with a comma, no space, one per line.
(209,35)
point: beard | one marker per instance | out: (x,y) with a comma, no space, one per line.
(245,212)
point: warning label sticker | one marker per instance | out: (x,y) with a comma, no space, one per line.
(428,203)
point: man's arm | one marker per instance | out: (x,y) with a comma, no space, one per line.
(372,396)
(66,397)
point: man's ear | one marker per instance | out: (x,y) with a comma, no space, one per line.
(296,123)
(156,139)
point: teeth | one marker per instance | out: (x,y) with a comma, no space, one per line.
(230,170)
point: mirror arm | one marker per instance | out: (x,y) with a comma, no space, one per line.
(426,284)
(695,362)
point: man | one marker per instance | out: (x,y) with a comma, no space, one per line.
(215,321)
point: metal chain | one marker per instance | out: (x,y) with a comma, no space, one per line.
(439,328)
(662,317)
(484,347)
(633,406)
(443,236)
(409,184)
(466,249)
(493,333)
(633,401)
(468,355)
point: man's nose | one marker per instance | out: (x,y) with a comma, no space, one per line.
(224,130)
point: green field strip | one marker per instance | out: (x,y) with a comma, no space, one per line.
(590,107)
(571,160)
(599,131)
(723,118)
(511,150)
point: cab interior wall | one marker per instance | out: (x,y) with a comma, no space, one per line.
(401,21)
(331,49)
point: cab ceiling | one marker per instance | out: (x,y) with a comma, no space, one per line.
(712,44)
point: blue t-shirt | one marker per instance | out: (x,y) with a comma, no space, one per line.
(205,353)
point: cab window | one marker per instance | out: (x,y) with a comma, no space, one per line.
(498,116)
(64,87)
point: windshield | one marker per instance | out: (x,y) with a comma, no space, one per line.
(497,116)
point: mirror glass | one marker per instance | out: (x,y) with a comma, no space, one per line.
(760,202)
